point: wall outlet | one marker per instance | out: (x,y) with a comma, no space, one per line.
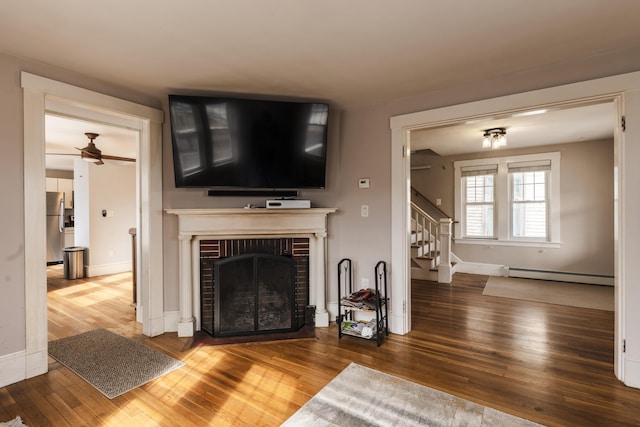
(364,210)
(112,252)
(365,282)
(438,202)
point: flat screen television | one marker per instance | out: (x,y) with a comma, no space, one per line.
(235,142)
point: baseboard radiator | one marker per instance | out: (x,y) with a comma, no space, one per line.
(560,276)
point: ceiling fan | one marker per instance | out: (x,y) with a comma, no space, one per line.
(93,154)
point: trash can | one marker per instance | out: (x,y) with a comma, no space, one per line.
(74,262)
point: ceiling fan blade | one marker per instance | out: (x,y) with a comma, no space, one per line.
(86,153)
(63,154)
(124,159)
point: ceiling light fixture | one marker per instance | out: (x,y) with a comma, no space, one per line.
(494,138)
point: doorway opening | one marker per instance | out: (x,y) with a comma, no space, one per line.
(42,96)
(580,140)
(613,89)
(101,209)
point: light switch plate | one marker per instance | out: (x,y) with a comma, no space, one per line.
(363,183)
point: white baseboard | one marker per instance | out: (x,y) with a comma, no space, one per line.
(115,268)
(559,276)
(479,268)
(12,368)
(632,373)
(36,363)
(396,324)
(171,320)
(332,308)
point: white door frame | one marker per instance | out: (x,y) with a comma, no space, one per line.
(624,91)
(42,95)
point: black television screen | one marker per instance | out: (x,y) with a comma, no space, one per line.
(235,142)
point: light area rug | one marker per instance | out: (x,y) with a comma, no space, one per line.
(360,396)
(16,422)
(110,362)
(561,293)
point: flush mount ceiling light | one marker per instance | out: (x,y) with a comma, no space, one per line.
(494,138)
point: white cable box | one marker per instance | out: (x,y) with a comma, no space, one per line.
(288,204)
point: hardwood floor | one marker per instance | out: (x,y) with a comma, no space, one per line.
(548,363)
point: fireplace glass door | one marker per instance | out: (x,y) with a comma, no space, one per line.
(254,294)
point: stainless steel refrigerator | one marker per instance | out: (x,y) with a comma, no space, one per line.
(55,227)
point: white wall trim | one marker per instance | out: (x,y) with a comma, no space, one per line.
(102,269)
(42,95)
(12,368)
(332,308)
(632,368)
(623,90)
(480,268)
(400,267)
(171,321)
(63,92)
(559,276)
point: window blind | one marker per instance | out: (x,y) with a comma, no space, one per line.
(479,170)
(534,166)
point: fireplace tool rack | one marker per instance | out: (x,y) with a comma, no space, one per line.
(362,313)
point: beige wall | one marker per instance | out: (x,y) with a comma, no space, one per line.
(112,188)
(586,217)
(436,182)
(360,147)
(12,326)
(12,287)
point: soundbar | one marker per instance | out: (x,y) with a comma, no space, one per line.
(254,193)
(288,204)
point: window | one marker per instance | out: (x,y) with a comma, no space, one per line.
(479,198)
(529,199)
(509,200)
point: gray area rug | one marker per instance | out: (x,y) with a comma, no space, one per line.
(360,396)
(111,363)
(561,293)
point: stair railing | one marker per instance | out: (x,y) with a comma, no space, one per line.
(434,237)
(427,231)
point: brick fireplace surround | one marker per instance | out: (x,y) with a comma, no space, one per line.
(195,225)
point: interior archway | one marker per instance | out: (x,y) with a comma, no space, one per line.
(612,89)
(43,95)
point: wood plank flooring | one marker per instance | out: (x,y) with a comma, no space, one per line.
(548,363)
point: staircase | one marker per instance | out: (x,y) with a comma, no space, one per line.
(430,241)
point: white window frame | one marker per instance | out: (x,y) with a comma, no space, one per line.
(502,209)
(481,170)
(534,167)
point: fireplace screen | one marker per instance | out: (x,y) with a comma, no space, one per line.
(254,293)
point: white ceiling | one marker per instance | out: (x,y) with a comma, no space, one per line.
(582,123)
(348,53)
(355,52)
(65,135)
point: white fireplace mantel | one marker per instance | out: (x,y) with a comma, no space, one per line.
(201,224)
